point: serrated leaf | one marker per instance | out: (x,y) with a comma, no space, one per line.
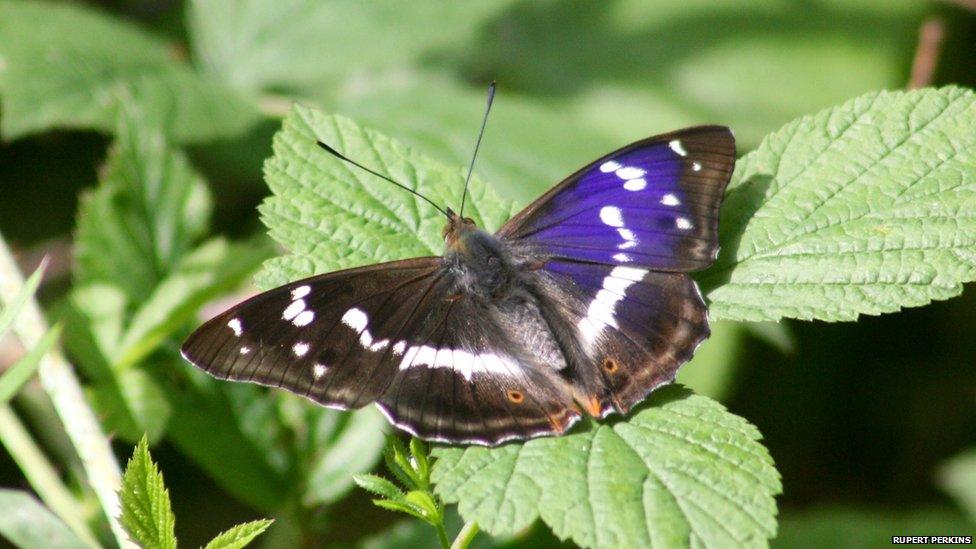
(403,506)
(71,71)
(331,215)
(864,208)
(146,512)
(379,486)
(239,536)
(958,478)
(25,522)
(681,471)
(150,208)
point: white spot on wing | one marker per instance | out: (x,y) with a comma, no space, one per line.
(358,320)
(696,166)
(630,172)
(609,166)
(677,147)
(623,258)
(301,292)
(601,311)
(245,349)
(235,324)
(638,184)
(630,239)
(304,318)
(683,223)
(611,215)
(292,310)
(318,370)
(463,362)
(399,347)
(670,200)
(300,349)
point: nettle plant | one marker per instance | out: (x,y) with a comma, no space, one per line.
(864,208)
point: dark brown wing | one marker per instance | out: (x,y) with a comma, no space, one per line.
(395,332)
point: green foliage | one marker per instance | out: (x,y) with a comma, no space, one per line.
(412,469)
(864,208)
(78,67)
(149,209)
(331,215)
(681,471)
(11,310)
(958,478)
(240,535)
(148,517)
(146,512)
(868,528)
(17,374)
(26,523)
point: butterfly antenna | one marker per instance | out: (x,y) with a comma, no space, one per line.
(341,156)
(477,145)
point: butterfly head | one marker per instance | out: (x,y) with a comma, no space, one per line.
(456,229)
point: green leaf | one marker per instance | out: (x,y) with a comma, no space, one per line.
(864,208)
(958,478)
(26,523)
(681,471)
(17,375)
(710,372)
(263,45)
(331,215)
(240,535)
(27,291)
(131,404)
(72,71)
(354,448)
(379,486)
(830,527)
(150,208)
(213,268)
(146,513)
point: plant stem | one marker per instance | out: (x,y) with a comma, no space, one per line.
(61,385)
(465,536)
(442,535)
(42,475)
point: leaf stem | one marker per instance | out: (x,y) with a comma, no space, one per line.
(442,535)
(466,535)
(63,388)
(41,474)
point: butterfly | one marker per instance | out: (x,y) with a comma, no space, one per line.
(580,303)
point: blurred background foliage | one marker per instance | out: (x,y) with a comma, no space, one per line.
(863,420)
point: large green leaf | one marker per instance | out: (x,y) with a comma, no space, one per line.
(26,523)
(864,208)
(149,209)
(306,45)
(332,215)
(67,65)
(680,471)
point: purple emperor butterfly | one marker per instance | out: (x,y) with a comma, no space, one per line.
(581,303)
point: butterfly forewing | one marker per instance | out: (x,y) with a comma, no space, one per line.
(652,204)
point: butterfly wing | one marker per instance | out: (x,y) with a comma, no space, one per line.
(652,204)
(614,241)
(394,332)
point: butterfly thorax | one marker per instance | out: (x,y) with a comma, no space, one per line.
(481,263)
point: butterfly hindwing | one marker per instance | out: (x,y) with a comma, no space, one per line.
(634,328)
(651,204)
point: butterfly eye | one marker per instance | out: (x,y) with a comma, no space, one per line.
(515,396)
